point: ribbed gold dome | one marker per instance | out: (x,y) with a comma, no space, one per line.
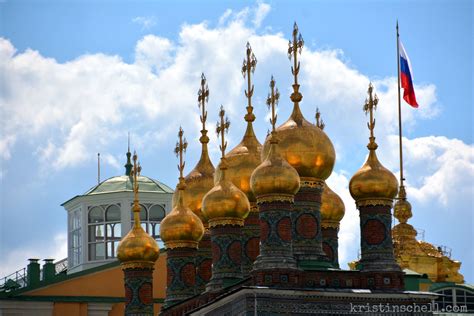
(198,182)
(181,227)
(332,207)
(242,161)
(137,248)
(225,204)
(274,175)
(373,181)
(305,146)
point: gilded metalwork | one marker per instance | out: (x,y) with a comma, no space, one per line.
(294,47)
(274,176)
(245,157)
(270,198)
(373,183)
(222,221)
(311,183)
(332,208)
(201,179)
(319,120)
(374,202)
(182,244)
(224,200)
(181,226)
(137,248)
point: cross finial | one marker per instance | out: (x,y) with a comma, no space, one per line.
(369,107)
(294,47)
(319,120)
(135,173)
(272,101)
(180,148)
(222,128)
(203,97)
(248,67)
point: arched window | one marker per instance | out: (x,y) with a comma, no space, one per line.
(156,215)
(113,230)
(96,236)
(150,218)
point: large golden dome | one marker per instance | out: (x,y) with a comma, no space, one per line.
(274,175)
(242,161)
(181,227)
(137,247)
(373,181)
(225,204)
(332,208)
(305,146)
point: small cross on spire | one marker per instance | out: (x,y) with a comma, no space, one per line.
(272,101)
(222,128)
(135,173)
(319,120)
(180,148)
(203,97)
(369,107)
(293,49)
(248,67)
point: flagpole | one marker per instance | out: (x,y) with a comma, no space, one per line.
(399,114)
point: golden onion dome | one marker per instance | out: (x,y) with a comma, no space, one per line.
(198,182)
(181,227)
(306,147)
(137,247)
(402,210)
(274,175)
(332,207)
(373,181)
(242,161)
(225,204)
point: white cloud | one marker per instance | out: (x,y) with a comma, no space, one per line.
(261,12)
(17,258)
(146,22)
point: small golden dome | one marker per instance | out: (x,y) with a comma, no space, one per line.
(137,247)
(332,207)
(225,204)
(181,227)
(198,182)
(373,181)
(274,175)
(305,146)
(242,161)
(402,210)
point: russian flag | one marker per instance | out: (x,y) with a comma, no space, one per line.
(406,76)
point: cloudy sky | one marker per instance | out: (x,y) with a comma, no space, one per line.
(76,77)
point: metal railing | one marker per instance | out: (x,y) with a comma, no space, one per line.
(18,279)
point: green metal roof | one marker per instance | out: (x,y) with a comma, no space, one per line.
(124,183)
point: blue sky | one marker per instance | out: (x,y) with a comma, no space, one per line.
(77,76)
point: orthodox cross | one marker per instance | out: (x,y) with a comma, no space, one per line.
(180,148)
(222,128)
(369,107)
(272,101)
(135,173)
(248,67)
(203,97)
(293,49)
(319,120)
